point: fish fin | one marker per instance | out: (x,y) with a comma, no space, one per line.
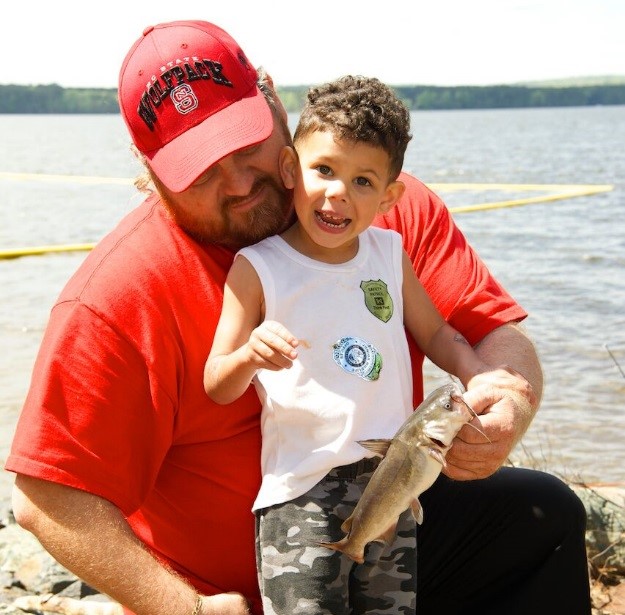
(436,454)
(377,446)
(347,525)
(344,547)
(417,511)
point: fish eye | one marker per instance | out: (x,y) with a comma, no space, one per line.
(447,406)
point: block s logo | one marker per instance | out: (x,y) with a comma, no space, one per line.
(184,98)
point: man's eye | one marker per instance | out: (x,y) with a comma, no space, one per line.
(202,179)
(248,151)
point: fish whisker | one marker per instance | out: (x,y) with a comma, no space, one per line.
(461,400)
(480,432)
(474,413)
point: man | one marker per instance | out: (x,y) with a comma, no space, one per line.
(131,478)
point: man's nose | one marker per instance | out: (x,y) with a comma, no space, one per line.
(237,178)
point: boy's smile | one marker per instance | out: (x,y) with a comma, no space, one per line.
(340,187)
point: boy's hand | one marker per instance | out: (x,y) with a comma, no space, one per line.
(272,346)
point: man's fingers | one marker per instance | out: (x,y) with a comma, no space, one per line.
(475,433)
(469,461)
(496,382)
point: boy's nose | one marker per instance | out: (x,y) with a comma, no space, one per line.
(336,189)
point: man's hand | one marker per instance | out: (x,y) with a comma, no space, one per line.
(225,604)
(504,401)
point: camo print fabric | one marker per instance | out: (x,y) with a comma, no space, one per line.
(298,577)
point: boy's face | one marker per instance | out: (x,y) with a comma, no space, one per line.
(341,187)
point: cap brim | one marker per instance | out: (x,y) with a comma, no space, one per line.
(243,123)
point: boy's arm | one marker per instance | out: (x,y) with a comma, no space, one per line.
(243,343)
(439,341)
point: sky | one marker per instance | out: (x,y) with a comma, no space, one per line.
(74,43)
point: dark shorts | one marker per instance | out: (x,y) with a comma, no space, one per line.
(298,576)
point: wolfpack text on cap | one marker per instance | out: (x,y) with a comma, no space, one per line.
(174,82)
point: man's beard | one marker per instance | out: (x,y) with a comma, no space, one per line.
(270,217)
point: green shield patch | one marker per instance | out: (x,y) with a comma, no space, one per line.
(377,299)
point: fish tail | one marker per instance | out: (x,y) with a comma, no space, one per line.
(343,547)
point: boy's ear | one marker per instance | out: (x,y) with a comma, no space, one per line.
(394,192)
(288,166)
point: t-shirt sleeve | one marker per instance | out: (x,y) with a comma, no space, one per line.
(458,282)
(89,385)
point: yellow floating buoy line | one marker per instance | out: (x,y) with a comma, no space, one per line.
(39,250)
(555,192)
(562,191)
(66,179)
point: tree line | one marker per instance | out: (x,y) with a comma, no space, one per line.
(56,99)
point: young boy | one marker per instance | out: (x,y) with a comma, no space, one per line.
(315,318)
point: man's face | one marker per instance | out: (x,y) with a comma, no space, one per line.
(239,200)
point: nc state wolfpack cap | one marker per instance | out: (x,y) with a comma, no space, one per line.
(188,95)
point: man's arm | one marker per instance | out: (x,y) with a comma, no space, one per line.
(506,400)
(89,536)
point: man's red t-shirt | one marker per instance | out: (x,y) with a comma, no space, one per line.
(117,405)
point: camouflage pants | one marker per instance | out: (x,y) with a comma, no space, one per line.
(298,577)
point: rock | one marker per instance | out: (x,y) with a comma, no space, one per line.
(605,532)
(32,581)
(33,569)
(50,603)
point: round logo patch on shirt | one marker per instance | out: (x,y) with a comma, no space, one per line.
(357,356)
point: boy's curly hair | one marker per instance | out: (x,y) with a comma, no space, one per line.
(362,109)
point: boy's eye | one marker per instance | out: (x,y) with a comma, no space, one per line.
(324,169)
(363,181)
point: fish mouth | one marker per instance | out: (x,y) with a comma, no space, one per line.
(460,401)
(438,443)
(332,220)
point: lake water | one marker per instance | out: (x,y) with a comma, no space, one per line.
(563,260)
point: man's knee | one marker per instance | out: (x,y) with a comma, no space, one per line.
(553,496)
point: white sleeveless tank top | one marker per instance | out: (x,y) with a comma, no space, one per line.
(352,379)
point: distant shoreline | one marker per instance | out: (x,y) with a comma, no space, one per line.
(48,99)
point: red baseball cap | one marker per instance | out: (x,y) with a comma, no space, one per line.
(188,95)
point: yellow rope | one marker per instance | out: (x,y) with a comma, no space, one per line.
(77,179)
(563,191)
(38,250)
(571,192)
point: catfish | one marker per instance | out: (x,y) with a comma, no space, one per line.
(412,461)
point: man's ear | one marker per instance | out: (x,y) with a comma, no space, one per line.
(288,166)
(393,193)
